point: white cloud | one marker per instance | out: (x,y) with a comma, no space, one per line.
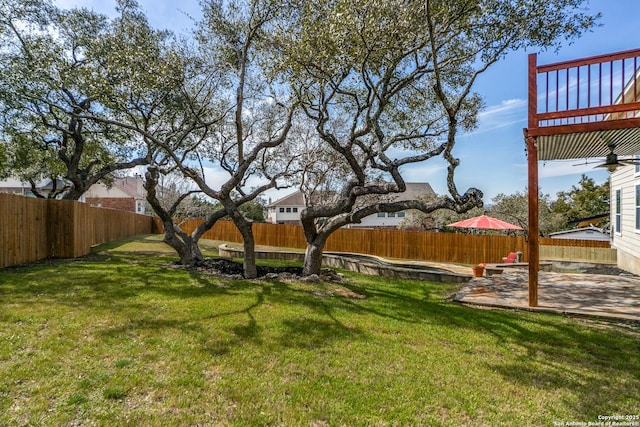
(506,114)
(101,6)
(506,107)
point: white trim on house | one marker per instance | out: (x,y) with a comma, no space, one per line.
(617,211)
(637,206)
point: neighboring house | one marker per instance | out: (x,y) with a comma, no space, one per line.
(15,186)
(584,233)
(125,194)
(287,209)
(625,216)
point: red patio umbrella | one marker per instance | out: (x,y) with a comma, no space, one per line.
(485,222)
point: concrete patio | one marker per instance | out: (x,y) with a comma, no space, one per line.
(612,297)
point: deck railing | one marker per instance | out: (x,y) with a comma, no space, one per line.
(579,95)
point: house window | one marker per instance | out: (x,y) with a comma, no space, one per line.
(401,214)
(380,214)
(638,207)
(618,213)
(391,214)
(281,210)
(288,210)
(295,210)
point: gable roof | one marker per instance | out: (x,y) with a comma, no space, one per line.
(297,199)
(294,199)
(579,230)
(414,190)
(43,184)
(132,185)
(124,187)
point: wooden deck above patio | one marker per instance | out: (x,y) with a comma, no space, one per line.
(573,105)
(578,109)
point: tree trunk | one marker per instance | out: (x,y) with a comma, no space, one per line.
(183,244)
(250,268)
(313,255)
(248,241)
(73,194)
(244,227)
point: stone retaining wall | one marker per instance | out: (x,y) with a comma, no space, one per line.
(343,262)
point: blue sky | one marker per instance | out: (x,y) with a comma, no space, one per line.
(492,157)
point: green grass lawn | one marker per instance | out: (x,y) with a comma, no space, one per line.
(122,338)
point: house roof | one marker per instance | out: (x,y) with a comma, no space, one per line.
(294,199)
(297,198)
(131,186)
(413,191)
(13,183)
(578,230)
(43,184)
(125,187)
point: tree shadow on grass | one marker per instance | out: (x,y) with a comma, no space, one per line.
(320,329)
(600,359)
(585,357)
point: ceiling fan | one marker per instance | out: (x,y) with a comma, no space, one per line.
(612,162)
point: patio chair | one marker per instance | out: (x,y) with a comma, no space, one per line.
(512,258)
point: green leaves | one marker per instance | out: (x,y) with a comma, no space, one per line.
(585,200)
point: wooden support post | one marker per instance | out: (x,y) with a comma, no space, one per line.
(532,162)
(534,225)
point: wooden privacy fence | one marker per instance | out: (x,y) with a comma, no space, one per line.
(34,229)
(439,247)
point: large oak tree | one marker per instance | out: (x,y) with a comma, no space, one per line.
(48,58)
(389,84)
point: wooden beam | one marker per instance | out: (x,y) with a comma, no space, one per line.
(534,225)
(579,113)
(584,127)
(532,81)
(616,56)
(532,161)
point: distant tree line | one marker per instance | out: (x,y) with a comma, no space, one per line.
(586,199)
